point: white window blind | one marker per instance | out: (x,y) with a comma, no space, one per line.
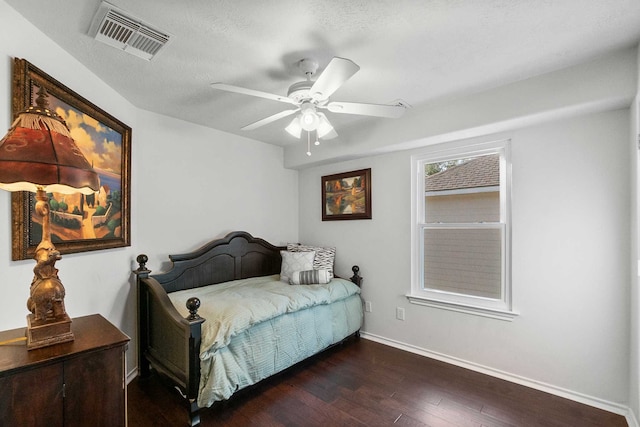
(464,260)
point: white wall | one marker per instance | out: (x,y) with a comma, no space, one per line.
(203,183)
(571,204)
(189,184)
(634,301)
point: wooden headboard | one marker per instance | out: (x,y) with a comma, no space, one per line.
(236,256)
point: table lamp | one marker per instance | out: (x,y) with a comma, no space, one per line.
(39,155)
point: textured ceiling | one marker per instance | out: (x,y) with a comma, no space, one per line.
(417,51)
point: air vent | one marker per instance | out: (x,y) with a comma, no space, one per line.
(113,27)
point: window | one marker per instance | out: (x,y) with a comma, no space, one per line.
(461,238)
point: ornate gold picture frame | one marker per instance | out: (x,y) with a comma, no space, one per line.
(78,223)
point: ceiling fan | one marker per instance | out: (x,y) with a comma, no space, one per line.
(310,96)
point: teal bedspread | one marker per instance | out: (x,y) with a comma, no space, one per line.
(257,327)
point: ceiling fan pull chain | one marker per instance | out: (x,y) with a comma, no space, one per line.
(308,143)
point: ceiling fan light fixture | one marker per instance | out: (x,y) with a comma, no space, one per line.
(294,129)
(324,127)
(331,134)
(309,119)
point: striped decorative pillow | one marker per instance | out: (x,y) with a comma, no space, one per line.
(324,259)
(310,277)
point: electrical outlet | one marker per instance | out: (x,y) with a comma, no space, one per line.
(367,306)
(399,313)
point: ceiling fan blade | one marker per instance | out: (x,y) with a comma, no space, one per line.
(251,92)
(377,110)
(334,75)
(270,119)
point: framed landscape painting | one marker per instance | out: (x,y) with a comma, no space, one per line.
(347,195)
(78,222)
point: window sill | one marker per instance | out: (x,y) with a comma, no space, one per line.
(462,308)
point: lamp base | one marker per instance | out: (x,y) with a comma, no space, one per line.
(43,333)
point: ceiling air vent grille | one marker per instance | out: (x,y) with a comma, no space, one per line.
(111,26)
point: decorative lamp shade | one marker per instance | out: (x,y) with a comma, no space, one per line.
(38,151)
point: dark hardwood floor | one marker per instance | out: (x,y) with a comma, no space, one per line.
(363,383)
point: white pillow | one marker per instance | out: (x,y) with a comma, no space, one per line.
(310,277)
(324,259)
(295,261)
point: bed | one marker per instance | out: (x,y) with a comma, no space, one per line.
(232,313)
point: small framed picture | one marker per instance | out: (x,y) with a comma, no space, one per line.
(347,195)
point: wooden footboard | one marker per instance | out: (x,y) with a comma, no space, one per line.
(167,341)
(170,343)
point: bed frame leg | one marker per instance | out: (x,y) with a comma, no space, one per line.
(194,413)
(144,370)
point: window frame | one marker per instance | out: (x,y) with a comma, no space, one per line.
(494,308)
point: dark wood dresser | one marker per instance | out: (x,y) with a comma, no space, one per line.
(77,383)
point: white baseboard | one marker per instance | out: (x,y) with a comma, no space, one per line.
(548,388)
(131,375)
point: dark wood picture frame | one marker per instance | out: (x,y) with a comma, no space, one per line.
(346,195)
(26,80)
